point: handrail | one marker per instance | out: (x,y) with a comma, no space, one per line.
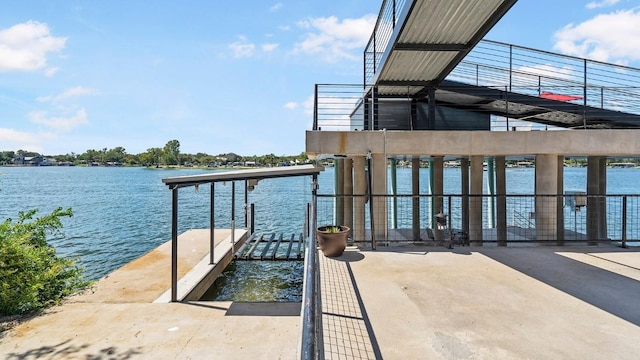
(312,346)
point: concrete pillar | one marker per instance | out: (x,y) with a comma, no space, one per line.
(464,190)
(602,204)
(546,207)
(348,190)
(593,191)
(501,200)
(415,200)
(560,202)
(379,177)
(438,190)
(360,198)
(338,166)
(475,201)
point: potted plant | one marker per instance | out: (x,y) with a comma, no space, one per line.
(332,239)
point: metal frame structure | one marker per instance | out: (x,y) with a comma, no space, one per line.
(251,175)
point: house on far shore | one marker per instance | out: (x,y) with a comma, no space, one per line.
(32,161)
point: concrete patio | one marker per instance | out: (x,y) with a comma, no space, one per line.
(410,302)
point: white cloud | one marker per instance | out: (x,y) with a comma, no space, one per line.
(613,37)
(276,7)
(25,46)
(334,39)
(292,105)
(531,76)
(49,72)
(15,136)
(72,92)
(242,48)
(59,123)
(12,139)
(603,3)
(269,47)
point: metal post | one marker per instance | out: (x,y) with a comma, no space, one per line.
(246,202)
(315,108)
(233,217)
(252,227)
(450,221)
(624,221)
(584,91)
(212,226)
(370,192)
(394,191)
(174,244)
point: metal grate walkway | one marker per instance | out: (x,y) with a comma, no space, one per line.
(272,247)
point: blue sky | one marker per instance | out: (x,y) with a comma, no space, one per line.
(224,76)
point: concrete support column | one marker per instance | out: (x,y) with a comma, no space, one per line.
(560,201)
(546,207)
(379,177)
(438,190)
(359,201)
(338,166)
(501,200)
(415,200)
(602,204)
(464,190)
(348,191)
(593,203)
(596,200)
(475,202)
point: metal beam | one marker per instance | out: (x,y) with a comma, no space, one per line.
(430,47)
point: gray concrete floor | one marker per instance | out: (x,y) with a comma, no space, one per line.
(410,302)
(484,303)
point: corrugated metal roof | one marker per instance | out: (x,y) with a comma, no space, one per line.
(433,37)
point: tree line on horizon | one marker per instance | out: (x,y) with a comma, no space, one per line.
(169,155)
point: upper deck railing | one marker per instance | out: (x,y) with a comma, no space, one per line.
(495,66)
(379,40)
(535,72)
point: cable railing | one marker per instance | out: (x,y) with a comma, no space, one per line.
(536,72)
(585,219)
(379,40)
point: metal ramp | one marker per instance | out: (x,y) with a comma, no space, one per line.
(272,247)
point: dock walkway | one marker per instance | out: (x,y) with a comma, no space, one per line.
(409,302)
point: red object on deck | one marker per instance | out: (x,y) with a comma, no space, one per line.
(559,97)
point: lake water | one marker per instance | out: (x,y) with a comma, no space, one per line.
(122,213)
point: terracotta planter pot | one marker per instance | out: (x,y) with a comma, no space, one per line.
(332,243)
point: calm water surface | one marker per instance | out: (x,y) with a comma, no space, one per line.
(122,213)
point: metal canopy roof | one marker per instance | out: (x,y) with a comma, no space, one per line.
(431,39)
(531,108)
(247,174)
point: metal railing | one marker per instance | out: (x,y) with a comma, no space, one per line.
(379,40)
(610,218)
(311,338)
(535,72)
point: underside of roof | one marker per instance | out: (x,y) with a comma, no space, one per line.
(431,38)
(531,108)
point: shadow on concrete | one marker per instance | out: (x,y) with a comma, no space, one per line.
(347,256)
(264,309)
(66,350)
(205,305)
(419,249)
(365,316)
(607,290)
